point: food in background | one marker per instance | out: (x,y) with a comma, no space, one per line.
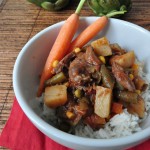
(110,8)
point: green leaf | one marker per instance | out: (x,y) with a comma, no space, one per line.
(37,2)
(110,8)
(127,3)
(115,13)
(59,4)
(51,5)
(109,5)
(94,5)
(48,6)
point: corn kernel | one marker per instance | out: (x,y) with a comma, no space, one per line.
(138,92)
(78,93)
(77,50)
(69,114)
(135,66)
(55,63)
(102,58)
(131,76)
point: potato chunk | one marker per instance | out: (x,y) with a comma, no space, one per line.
(103,101)
(101,47)
(55,96)
(125,60)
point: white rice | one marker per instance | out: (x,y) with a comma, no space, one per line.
(120,125)
(49,115)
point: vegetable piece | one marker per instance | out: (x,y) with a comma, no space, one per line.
(60,46)
(101,47)
(138,92)
(103,101)
(137,108)
(135,66)
(36,2)
(86,35)
(77,50)
(56,79)
(126,3)
(78,93)
(55,96)
(51,5)
(131,76)
(55,63)
(117,108)
(140,83)
(127,96)
(135,69)
(54,5)
(111,8)
(102,59)
(125,60)
(107,79)
(70,114)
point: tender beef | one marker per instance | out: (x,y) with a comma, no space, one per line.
(78,73)
(122,77)
(90,57)
(75,109)
(82,68)
(94,121)
(65,62)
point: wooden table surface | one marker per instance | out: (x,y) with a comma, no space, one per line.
(21,20)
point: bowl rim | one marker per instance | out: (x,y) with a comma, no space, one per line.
(43,126)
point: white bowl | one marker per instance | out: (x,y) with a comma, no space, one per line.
(31,60)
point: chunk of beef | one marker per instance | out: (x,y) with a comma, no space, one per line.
(82,68)
(122,77)
(94,121)
(72,112)
(65,62)
(90,57)
(78,73)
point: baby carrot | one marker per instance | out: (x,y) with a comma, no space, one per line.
(86,35)
(61,45)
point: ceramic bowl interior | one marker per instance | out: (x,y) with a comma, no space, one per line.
(31,60)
